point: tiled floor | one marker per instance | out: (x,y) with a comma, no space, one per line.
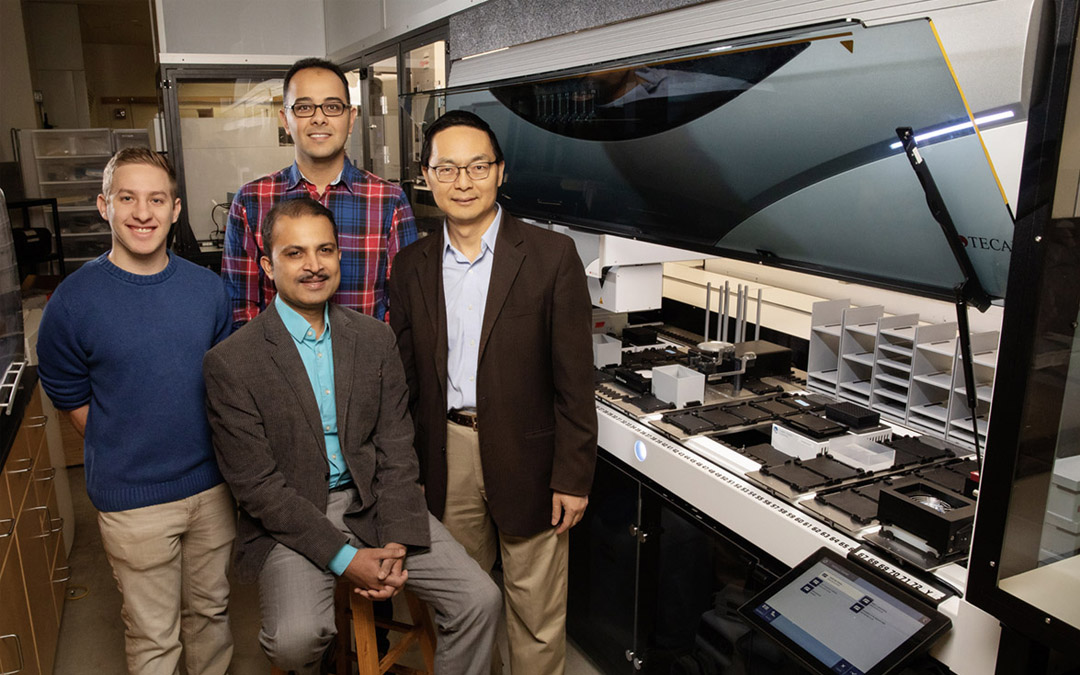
(92,634)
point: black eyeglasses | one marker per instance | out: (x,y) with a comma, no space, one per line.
(448,173)
(329,108)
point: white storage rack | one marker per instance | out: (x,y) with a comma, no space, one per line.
(909,372)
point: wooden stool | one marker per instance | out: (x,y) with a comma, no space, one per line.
(350,605)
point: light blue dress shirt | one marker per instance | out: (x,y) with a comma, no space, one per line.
(317,355)
(465,285)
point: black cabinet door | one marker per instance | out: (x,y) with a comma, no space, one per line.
(603,570)
(692,580)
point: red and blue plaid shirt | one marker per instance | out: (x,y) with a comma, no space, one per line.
(374,222)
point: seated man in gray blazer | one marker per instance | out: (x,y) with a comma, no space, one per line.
(309,411)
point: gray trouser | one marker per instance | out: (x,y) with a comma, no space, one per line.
(297,600)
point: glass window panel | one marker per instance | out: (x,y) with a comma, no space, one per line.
(383,120)
(355,146)
(1040,557)
(425,71)
(781,150)
(231,134)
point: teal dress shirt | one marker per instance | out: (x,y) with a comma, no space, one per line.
(317,354)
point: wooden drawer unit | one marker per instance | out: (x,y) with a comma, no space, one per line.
(33,561)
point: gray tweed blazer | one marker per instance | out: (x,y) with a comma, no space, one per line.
(269,441)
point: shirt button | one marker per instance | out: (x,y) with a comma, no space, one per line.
(472,342)
(328,427)
(333,456)
(310,332)
(319,354)
(327,392)
(471,378)
(470,308)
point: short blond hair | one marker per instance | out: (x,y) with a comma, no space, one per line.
(138,155)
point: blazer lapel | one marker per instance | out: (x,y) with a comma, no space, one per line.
(343,336)
(287,359)
(429,275)
(504,270)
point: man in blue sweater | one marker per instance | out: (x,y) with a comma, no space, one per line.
(120,349)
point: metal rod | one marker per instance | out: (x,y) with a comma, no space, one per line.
(708,297)
(757,324)
(743,308)
(724,313)
(739,318)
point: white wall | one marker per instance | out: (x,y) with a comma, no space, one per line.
(17,98)
(353,26)
(239,31)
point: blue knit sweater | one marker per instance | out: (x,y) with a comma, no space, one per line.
(131,346)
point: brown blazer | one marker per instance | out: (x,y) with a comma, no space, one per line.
(536,414)
(270,447)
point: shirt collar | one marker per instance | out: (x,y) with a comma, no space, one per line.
(487,240)
(295,175)
(297,325)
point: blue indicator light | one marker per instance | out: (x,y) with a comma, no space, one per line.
(639,450)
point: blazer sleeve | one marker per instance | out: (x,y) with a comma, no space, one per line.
(571,358)
(402,511)
(247,462)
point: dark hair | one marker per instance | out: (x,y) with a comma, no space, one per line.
(137,155)
(293,208)
(458,118)
(313,62)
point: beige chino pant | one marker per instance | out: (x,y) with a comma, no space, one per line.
(170,562)
(534,568)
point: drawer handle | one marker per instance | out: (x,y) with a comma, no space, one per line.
(56,524)
(29,467)
(67,570)
(37,425)
(18,646)
(11,528)
(51,471)
(44,527)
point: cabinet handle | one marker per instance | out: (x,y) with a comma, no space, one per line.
(37,425)
(11,528)
(51,471)
(45,532)
(29,467)
(67,570)
(18,646)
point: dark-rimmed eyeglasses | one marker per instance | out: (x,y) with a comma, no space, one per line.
(329,108)
(448,173)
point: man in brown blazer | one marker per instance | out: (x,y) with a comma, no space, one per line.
(307,404)
(492,318)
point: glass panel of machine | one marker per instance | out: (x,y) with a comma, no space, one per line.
(781,149)
(11,327)
(1040,560)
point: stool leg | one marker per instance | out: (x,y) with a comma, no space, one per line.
(363,619)
(343,646)
(421,618)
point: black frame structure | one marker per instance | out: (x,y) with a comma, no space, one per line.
(182,239)
(1028,393)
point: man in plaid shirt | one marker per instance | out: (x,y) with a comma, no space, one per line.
(373,216)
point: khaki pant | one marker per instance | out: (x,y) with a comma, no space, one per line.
(170,562)
(534,568)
